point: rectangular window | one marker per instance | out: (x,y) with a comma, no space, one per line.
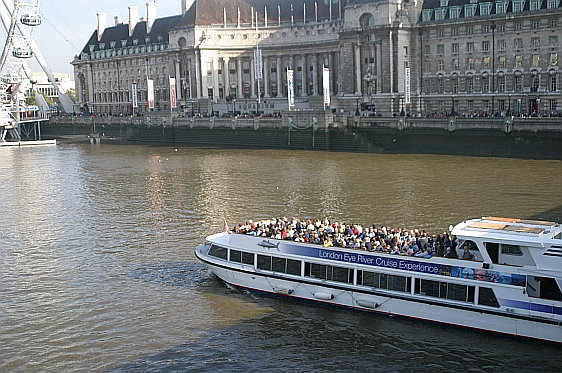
(518,26)
(469,85)
(485,46)
(536,60)
(518,43)
(455,48)
(517,83)
(503,62)
(455,31)
(553,40)
(264,262)
(535,5)
(454,12)
(470,63)
(441,64)
(486,62)
(278,264)
(427,15)
(383,281)
(440,85)
(486,297)
(440,49)
(511,250)
(218,252)
(235,256)
(501,45)
(427,50)
(247,258)
(536,24)
(486,29)
(485,9)
(455,63)
(552,22)
(469,30)
(440,32)
(470,46)
(485,82)
(536,42)
(501,7)
(445,290)
(440,14)
(553,104)
(517,6)
(553,83)
(501,83)
(455,85)
(293,267)
(469,10)
(552,4)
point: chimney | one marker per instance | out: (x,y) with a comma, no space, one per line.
(150,15)
(133,18)
(117,20)
(185,5)
(102,24)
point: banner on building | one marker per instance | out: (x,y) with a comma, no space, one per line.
(173,97)
(134,95)
(326,85)
(290,88)
(407,86)
(150,93)
(258,64)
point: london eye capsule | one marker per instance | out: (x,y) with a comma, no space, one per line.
(31,19)
(22,52)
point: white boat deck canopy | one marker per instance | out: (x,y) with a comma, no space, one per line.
(534,232)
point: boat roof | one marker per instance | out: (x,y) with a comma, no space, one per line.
(509,229)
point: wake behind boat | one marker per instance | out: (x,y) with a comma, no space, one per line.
(495,274)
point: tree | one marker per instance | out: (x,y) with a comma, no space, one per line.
(71,92)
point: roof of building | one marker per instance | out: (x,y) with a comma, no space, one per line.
(210,12)
(436,4)
(120,33)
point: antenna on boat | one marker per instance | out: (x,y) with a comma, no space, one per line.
(226,226)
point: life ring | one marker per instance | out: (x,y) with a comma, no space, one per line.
(451,125)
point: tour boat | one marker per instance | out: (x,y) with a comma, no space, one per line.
(510,286)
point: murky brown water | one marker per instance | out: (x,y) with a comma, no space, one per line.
(97,271)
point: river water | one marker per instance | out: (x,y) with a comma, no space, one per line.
(97,271)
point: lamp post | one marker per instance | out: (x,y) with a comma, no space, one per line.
(519,106)
(234,106)
(452,105)
(493,26)
(357,113)
(402,112)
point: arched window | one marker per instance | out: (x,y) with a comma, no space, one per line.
(367,21)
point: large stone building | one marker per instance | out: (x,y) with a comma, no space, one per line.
(400,56)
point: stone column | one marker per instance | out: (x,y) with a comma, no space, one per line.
(90,80)
(215,72)
(226,72)
(391,65)
(178,80)
(198,72)
(253,77)
(189,77)
(239,89)
(332,73)
(358,69)
(266,71)
(304,75)
(280,91)
(315,74)
(378,61)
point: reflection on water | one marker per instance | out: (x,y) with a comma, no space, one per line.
(98,271)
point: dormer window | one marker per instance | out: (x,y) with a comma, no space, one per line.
(123,43)
(485,9)
(91,48)
(552,4)
(443,3)
(517,5)
(469,10)
(147,40)
(501,7)
(112,44)
(454,12)
(426,16)
(160,38)
(440,14)
(135,41)
(102,45)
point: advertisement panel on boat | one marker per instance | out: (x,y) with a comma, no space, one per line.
(404,264)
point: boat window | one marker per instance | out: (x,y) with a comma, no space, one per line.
(293,267)
(247,258)
(218,252)
(511,250)
(445,290)
(278,264)
(235,256)
(486,297)
(493,251)
(543,287)
(331,273)
(383,281)
(264,262)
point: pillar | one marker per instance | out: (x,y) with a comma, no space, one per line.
(280,91)
(304,75)
(315,74)
(239,89)
(266,71)
(179,93)
(252,78)
(198,72)
(378,61)
(226,72)
(358,69)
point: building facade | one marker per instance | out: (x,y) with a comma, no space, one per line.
(396,56)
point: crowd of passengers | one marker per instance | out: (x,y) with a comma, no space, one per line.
(354,236)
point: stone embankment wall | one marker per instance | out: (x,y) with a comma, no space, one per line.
(503,137)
